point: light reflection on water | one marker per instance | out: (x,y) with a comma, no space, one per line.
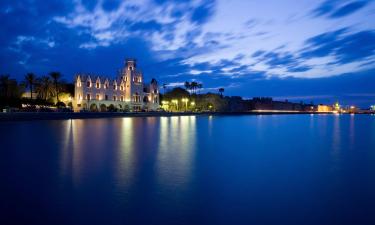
(175,150)
(196,165)
(126,160)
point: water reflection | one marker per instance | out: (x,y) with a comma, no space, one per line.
(168,168)
(125,167)
(352,130)
(336,136)
(176,148)
(71,153)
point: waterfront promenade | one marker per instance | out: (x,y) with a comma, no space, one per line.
(25,116)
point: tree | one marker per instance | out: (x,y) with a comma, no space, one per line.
(194,86)
(4,85)
(221,90)
(200,86)
(176,93)
(187,86)
(44,87)
(30,80)
(56,78)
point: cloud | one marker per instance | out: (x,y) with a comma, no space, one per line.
(218,42)
(338,8)
(202,13)
(344,45)
(348,9)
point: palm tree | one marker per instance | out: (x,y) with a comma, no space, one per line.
(56,76)
(194,86)
(221,90)
(200,86)
(187,86)
(30,80)
(4,85)
(45,87)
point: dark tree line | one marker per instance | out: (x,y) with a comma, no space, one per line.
(44,90)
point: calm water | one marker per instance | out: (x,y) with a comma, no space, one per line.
(287,169)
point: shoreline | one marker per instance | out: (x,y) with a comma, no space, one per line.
(30,116)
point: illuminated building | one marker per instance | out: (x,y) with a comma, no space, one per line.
(325,108)
(126,92)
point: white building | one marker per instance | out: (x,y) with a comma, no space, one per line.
(127,92)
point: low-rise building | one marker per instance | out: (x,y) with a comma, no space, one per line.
(325,108)
(126,92)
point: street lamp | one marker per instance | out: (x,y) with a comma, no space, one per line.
(165,105)
(185,100)
(175,101)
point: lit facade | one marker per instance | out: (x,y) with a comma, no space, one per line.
(324,108)
(127,92)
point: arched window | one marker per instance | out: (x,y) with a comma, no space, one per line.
(88,84)
(122,98)
(88,96)
(115,87)
(97,85)
(114,98)
(97,97)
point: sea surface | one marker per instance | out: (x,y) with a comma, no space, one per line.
(270,169)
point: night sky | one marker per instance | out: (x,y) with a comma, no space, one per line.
(308,50)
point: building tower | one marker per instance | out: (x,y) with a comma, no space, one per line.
(133,82)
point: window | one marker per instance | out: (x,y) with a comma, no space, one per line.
(97,85)
(97,97)
(88,84)
(114,87)
(136,98)
(80,97)
(78,105)
(106,97)
(137,79)
(114,98)
(122,98)
(78,84)
(88,97)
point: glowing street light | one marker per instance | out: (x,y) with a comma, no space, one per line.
(175,101)
(185,100)
(165,105)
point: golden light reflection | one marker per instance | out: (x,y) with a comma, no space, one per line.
(125,167)
(72,153)
(336,138)
(352,130)
(176,149)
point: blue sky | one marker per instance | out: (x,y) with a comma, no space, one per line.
(308,50)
